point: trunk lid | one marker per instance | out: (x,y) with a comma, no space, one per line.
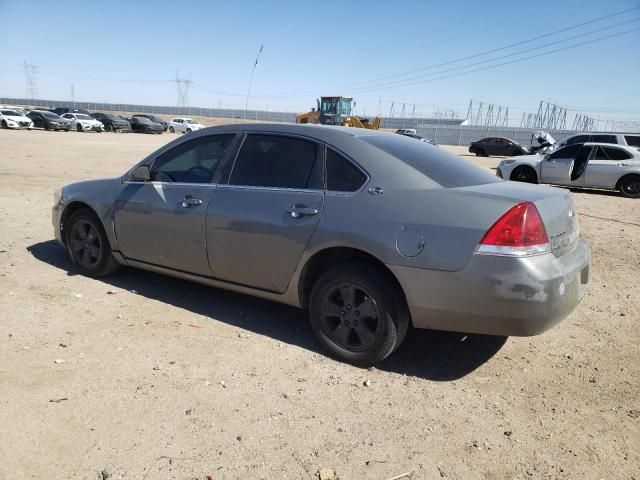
(555,205)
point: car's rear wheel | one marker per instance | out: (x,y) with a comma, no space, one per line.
(88,245)
(358,314)
(525,174)
(172,130)
(630,186)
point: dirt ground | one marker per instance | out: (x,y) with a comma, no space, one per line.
(140,376)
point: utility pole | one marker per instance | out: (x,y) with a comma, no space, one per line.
(183,85)
(73,95)
(253,71)
(31,86)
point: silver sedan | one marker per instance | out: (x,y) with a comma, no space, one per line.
(581,165)
(370,231)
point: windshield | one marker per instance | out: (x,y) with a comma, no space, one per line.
(190,121)
(50,115)
(81,116)
(111,117)
(344,107)
(11,113)
(442,167)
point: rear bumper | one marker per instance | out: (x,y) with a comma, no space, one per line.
(498,295)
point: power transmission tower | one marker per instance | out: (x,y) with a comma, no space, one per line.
(183,85)
(31,85)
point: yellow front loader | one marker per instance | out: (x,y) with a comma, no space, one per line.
(336,111)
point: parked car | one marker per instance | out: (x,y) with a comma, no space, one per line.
(590,165)
(154,118)
(21,111)
(631,139)
(497,146)
(368,230)
(112,123)
(62,110)
(14,119)
(184,125)
(84,123)
(144,125)
(48,120)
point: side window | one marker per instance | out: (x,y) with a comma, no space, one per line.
(191,162)
(277,161)
(567,152)
(632,140)
(342,175)
(604,138)
(616,154)
(578,139)
(600,155)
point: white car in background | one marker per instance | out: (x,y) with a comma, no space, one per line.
(184,125)
(13,119)
(83,122)
(582,165)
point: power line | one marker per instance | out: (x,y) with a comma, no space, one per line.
(253,71)
(503,56)
(364,90)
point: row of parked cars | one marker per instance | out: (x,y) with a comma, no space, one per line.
(65,119)
(609,161)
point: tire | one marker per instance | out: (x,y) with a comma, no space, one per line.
(66,129)
(79,128)
(188,130)
(47,127)
(88,245)
(172,130)
(337,299)
(4,124)
(524,174)
(480,153)
(629,186)
(110,128)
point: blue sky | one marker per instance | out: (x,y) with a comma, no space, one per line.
(123,51)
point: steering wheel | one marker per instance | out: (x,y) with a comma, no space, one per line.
(203,172)
(164,177)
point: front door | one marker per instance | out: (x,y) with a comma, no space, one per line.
(556,167)
(162,222)
(259,224)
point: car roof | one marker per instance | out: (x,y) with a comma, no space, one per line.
(628,148)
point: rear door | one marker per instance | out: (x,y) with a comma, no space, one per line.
(556,167)
(162,222)
(607,165)
(258,225)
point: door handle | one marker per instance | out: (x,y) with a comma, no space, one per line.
(189,201)
(301,211)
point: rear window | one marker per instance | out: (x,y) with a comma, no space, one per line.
(632,140)
(604,139)
(444,168)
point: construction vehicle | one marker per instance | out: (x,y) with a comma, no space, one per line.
(336,111)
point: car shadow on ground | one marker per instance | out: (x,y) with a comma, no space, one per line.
(428,354)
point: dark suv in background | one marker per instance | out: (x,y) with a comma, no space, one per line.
(62,110)
(154,119)
(112,123)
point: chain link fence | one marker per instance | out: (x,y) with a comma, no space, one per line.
(465,134)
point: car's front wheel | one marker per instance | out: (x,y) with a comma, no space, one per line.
(88,245)
(358,314)
(4,124)
(79,127)
(172,130)
(525,174)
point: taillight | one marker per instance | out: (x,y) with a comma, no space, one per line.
(519,232)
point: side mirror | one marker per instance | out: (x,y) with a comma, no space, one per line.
(141,174)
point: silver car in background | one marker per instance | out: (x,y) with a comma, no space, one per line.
(370,231)
(588,165)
